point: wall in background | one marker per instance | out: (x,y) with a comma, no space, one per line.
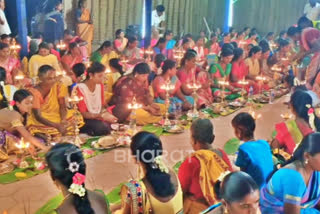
(186,16)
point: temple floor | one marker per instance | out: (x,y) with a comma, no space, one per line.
(104,172)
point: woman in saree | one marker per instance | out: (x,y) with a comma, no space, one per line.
(252,38)
(84,24)
(93,107)
(190,73)
(254,156)
(68,172)
(50,116)
(160,47)
(136,86)
(73,57)
(294,188)
(240,71)
(202,52)
(289,134)
(9,63)
(132,52)
(120,43)
(104,54)
(213,46)
(42,58)
(200,172)
(168,75)
(221,71)
(13,125)
(239,194)
(155,67)
(157,189)
(54,24)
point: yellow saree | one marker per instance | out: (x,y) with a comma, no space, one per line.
(50,110)
(85,30)
(212,166)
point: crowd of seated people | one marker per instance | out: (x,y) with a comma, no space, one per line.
(120,72)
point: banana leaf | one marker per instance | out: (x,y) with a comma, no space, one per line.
(157,130)
(232,146)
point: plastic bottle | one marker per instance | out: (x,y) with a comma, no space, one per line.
(272,96)
(250,91)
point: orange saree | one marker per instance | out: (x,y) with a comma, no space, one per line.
(85,30)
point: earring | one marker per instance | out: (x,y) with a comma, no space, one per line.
(306,162)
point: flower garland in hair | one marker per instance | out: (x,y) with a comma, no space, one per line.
(296,82)
(311,117)
(158,161)
(159,71)
(78,179)
(223,175)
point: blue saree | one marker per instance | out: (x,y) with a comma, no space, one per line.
(288,186)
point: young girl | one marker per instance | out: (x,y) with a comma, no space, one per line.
(93,107)
(13,123)
(254,157)
(68,172)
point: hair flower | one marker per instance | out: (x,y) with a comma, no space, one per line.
(12,103)
(310,111)
(73,167)
(161,165)
(77,190)
(78,178)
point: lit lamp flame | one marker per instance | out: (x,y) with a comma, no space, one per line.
(14,46)
(61,73)
(61,45)
(75,99)
(276,68)
(134,105)
(167,87)
(22,145)
(194,86)
(287,116)
(255,115)
(261,78)
(19,77)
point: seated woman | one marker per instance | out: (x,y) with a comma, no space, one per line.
(93,106)
(214,47)
(42,58)
(202,52)
(12,124)
(158,190)
(240,71)
(73,57)
(6,91)
(169,72)
(289,134)
(120,42)
(239,195)
(9,63)
(132,52)
(50,116)
(155,67)
(294,188)
(221,71)
(282,56)
(68,38)
(254,156)
(104,54)
(252,38)
(189,73)
(136,86)
(160,47)
(201,171)
(68,172)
